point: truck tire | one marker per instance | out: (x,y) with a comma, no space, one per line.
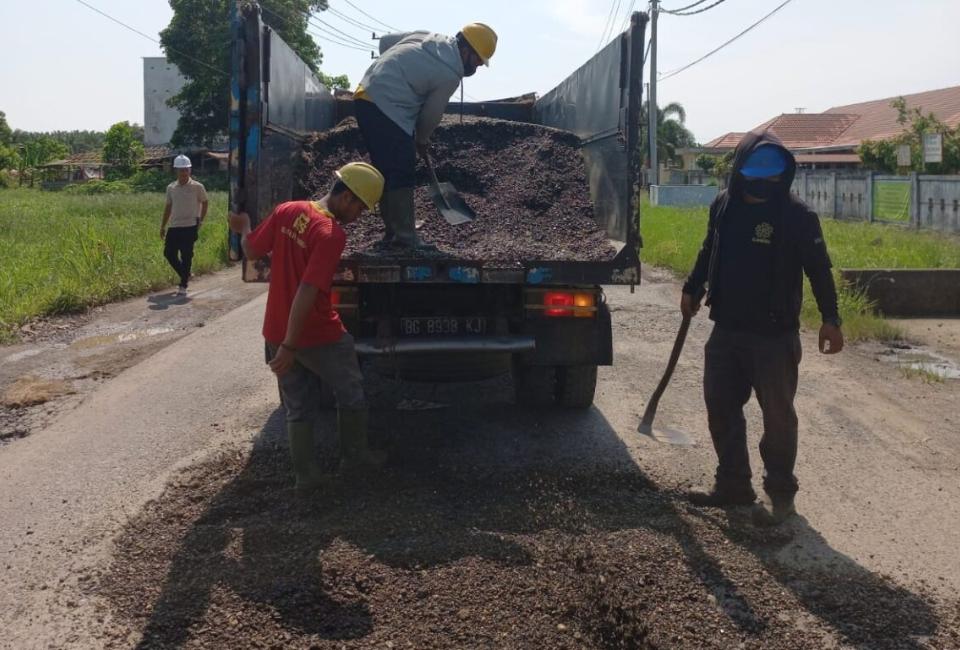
(535,386)
(576,386)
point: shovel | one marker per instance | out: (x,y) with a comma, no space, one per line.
(672,436)
(445,196)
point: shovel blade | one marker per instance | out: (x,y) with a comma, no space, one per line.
(451,204)
(667,435)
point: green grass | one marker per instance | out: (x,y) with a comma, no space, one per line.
(64,253)
(672,238)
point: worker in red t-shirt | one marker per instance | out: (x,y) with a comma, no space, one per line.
(305,339)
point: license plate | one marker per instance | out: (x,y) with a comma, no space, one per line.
(443,326)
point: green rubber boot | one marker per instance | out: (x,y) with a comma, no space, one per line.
(356,455)
(306,470)
(399,217)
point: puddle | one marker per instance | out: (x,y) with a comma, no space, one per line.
(920,359)
(122,337)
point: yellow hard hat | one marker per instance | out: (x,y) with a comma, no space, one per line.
(482,39)
(364,180)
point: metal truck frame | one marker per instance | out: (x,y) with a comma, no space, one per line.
(449,319)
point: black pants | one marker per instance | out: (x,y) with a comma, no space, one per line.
(178,249)
(735,363)
(392,151)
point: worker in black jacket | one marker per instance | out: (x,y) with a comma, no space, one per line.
(760,240)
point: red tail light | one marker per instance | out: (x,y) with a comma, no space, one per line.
(558,300)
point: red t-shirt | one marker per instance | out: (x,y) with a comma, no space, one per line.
(305,243)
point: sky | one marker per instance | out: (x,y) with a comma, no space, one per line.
(66,67)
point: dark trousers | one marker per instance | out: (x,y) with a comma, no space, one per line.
(735,363)
(178,249)
(392,151)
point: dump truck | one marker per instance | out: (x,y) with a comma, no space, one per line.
(441,318)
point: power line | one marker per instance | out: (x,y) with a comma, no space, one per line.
(344,17)
(691,6)
(326,39)
(336,37)
(626,19)
(679,12)
(607,26)
(336,32)
(150,38)
(394,29)
(715,50)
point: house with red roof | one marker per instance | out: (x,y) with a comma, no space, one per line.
(829,140)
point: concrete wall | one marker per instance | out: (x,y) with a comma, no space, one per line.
(161,81)
(910,292)
(935,200)
(682,194)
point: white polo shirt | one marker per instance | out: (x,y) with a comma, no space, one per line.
(184,201)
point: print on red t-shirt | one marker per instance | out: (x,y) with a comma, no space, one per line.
(305,244)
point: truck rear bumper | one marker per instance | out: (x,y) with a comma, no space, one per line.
(426,344)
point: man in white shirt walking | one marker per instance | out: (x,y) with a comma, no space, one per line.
(183,215)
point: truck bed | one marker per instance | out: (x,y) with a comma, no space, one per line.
(526,183)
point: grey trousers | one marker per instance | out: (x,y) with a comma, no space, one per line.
(334,364)
(736,362)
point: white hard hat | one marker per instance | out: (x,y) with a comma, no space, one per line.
(181,162)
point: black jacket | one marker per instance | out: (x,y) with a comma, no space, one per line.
(798,241)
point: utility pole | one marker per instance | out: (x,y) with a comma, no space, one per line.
(652,99)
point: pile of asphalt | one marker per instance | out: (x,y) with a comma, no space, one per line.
(443,549)
(526,183)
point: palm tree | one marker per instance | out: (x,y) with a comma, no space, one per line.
(672,135)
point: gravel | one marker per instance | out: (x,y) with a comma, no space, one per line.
(527,184)
(435,553)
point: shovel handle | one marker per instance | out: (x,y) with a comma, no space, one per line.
(436,183)
(647,421)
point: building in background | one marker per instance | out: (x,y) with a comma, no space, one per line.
(161,81)
(829,140)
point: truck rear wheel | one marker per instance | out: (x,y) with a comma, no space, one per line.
(576,386)
(535,385)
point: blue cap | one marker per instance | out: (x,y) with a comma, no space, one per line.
(765,161)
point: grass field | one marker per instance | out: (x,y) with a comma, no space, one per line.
(672,238)
(65,253)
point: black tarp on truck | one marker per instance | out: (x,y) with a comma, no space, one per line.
(443,318)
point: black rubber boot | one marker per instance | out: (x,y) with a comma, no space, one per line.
(722,496)
(356,455)
(779,509)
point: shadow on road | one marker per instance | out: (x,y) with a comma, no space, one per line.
(491,526)
(162,301)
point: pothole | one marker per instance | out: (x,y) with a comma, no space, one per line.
(921,360)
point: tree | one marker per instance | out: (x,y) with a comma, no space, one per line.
(706,162)
(5,133)
(122,150)
(882,155)
(8,155)
(724,166)
(197,40)
(340,81)
(37,152)
(672,135)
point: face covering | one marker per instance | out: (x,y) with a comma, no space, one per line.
(761,188)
